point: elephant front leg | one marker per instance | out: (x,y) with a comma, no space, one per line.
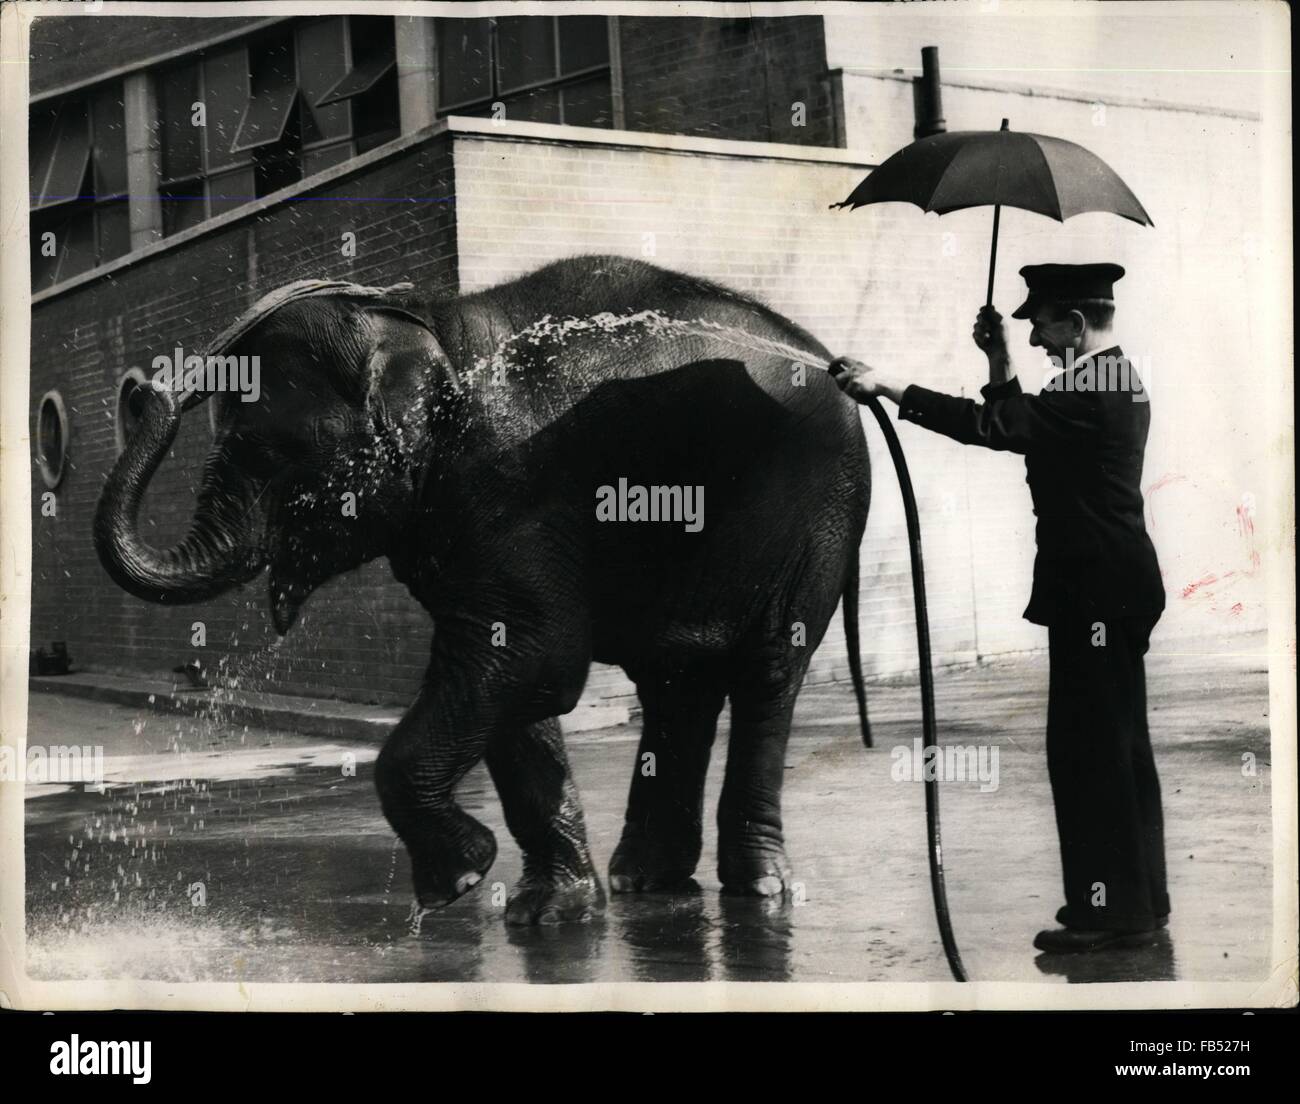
(428,753)
(540,801)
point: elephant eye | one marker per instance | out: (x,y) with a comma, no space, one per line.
(329,430)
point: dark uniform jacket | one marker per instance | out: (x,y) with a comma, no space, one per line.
(1082,438)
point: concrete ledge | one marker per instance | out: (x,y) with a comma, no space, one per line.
(325,717)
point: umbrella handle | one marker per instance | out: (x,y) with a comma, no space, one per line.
(993,253)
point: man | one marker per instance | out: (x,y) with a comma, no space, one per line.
(1097,586)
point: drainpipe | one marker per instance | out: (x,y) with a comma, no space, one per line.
(927,98)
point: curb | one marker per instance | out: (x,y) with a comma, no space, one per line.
(371,727)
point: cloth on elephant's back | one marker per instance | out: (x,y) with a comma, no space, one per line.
(274,300)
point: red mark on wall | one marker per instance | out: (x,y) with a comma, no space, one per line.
(1207,591)
(1164,481)
(1246,526)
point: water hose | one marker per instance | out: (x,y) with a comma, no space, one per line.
(928,728)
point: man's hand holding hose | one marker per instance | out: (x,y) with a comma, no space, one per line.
(860,381)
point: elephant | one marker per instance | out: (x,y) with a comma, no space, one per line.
(480,438)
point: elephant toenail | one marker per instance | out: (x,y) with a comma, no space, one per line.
(769,886)
(467,881)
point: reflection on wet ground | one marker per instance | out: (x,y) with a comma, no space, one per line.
(246,855)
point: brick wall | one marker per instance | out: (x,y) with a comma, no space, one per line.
(81,47)
(727,78)
(362,636)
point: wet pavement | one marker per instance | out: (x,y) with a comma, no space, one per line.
(219,852)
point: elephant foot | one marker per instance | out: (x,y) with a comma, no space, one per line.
(554,900)
(754,867)
(448,863)
(643,863)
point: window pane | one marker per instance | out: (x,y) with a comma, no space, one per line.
(50,444)
(183,205)
(110,141)
(45,268)
(42,132)
(375,113)
(373,36)
(540,106)
(464,61)
(271,63)
(178,91)
(267,119)
(588,103)
(113,230)
(71,156)
(275,167)
(322,63)
(229,190)
(361,78)
(584,42)
(272,128)
(525,51)
(77,244)
(225,96)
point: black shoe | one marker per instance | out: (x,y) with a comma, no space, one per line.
(1082,940)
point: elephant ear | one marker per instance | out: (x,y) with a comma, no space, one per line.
(406,371)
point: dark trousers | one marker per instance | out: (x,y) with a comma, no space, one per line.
(1103,775)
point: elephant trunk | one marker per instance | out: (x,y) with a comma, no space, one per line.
(220,550)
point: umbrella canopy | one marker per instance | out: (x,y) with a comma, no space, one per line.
(999,168)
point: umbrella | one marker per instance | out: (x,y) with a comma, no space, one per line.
(1003,168)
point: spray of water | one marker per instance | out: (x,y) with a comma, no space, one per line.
(625,330)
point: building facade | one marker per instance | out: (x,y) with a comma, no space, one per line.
(182,167)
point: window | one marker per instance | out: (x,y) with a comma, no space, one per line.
(78,204)
(272,126)
(51,439)
(370,84)
(544,69)
(279,106)
(131,395)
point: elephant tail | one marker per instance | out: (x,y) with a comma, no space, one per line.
(852,640)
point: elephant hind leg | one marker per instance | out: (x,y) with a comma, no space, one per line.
(751,839)
(531,773)
(663,827)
